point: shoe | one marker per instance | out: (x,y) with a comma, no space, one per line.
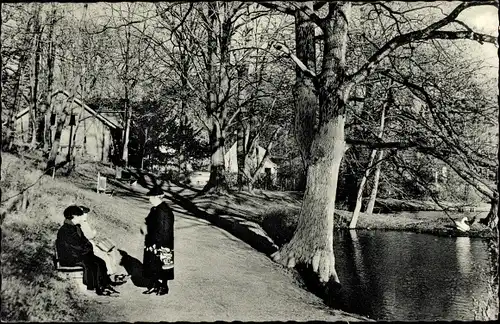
(111,289)
(150,291)
(101,292)
(162,291)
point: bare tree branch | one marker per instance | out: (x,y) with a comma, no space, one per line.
(279,6)
(429,32)
(300,64)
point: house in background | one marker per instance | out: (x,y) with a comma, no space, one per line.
(96,137)
(270,168)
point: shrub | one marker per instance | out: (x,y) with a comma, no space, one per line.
(280,224)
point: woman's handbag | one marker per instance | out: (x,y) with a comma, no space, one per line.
(165,255)
(167,258)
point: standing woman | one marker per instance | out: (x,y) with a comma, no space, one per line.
(158,244)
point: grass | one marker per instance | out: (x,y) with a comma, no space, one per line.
(31,288)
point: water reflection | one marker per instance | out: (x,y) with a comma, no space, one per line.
(407,276)
(464,255)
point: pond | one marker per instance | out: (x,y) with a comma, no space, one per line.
(388,275)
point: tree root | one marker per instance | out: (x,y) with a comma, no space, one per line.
(322,261)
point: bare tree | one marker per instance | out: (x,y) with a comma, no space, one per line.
(312,242)
(371,164)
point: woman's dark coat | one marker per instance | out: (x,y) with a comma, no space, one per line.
(73,248)
(160,232)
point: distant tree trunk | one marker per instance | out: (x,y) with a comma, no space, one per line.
(11,113)
(312,242)
(359,198)
(60,123)
(50,76)
(57,141)
(126,135)
(492,219)
(243,132)
(38,117)
(184,123)
(128,107)
(8,141)
(376,179)
(217,180)
(240,153)
(143,151)
(71,157)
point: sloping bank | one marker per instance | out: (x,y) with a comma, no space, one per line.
(277,213)
(266,220)
(31,289)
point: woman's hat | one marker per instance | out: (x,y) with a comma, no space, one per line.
(75,210)
(156,191)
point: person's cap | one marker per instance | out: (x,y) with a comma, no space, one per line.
(156,191)
(74,210)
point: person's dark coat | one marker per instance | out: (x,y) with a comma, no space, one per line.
(73,248)
(160,233)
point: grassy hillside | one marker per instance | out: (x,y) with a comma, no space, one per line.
(31,288)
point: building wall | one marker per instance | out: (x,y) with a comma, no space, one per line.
(22,126)
(92,140)
(231,160)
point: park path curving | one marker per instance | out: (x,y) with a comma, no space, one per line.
(217,277)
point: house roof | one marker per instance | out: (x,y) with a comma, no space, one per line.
(107,121)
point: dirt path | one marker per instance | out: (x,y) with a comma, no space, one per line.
(217,277)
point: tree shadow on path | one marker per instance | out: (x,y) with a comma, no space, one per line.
(246,231)
(182,195)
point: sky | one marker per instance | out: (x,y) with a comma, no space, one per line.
(484,19)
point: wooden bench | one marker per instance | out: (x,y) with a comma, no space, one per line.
(67,269)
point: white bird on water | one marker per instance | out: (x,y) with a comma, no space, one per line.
(462,225)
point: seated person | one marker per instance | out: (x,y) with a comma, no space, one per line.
(73,248)
(104,249)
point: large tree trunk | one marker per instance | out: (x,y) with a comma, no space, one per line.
(218,88)
(305,99)
(312,242)
(376,179)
